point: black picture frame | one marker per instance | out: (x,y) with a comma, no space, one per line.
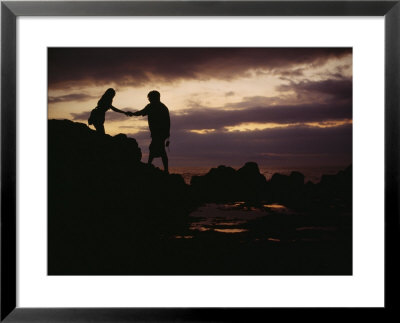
(10,10)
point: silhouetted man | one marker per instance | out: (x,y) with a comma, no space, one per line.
(159,123)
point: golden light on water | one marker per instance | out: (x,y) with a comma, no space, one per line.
(231,230)
(274,206)
(237,204)
(274,239)
(233,223)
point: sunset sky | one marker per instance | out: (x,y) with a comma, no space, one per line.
(274,106)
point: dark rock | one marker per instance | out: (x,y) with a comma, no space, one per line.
(94,176)
(218,185)
(287,189)
(296,180)
(336,190)
(253,185)
(225,184)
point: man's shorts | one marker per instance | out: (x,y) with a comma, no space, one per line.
(157,146)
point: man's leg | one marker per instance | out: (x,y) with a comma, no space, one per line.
(150,158)
(164,158)
(151,149)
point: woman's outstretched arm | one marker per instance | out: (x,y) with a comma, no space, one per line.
(118,110)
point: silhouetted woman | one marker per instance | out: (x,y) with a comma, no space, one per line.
(98,114)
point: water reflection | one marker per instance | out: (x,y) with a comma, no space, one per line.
(275,207)
(231,230)
(266,223)
(230,217)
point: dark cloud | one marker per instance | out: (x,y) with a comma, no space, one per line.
(341,89)
(230,93)
(80,116)
(69,67)
(127,127)
(297,145)
(70,97)
(204,118)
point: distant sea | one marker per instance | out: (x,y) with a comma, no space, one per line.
(312,174)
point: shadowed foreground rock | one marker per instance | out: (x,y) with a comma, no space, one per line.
(100,196)
(109,213)
(93,172)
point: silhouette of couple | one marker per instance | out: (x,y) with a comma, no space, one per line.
(158,119)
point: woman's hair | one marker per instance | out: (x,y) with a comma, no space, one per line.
(107,96)
(109,93)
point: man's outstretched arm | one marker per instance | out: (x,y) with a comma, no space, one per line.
(142,112)
(138,113)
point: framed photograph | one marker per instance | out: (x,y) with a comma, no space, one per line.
(163,159)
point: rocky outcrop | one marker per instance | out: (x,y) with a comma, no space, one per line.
(98,177)
(226,184)
(77,143)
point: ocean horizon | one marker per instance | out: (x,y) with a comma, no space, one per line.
(312,174)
